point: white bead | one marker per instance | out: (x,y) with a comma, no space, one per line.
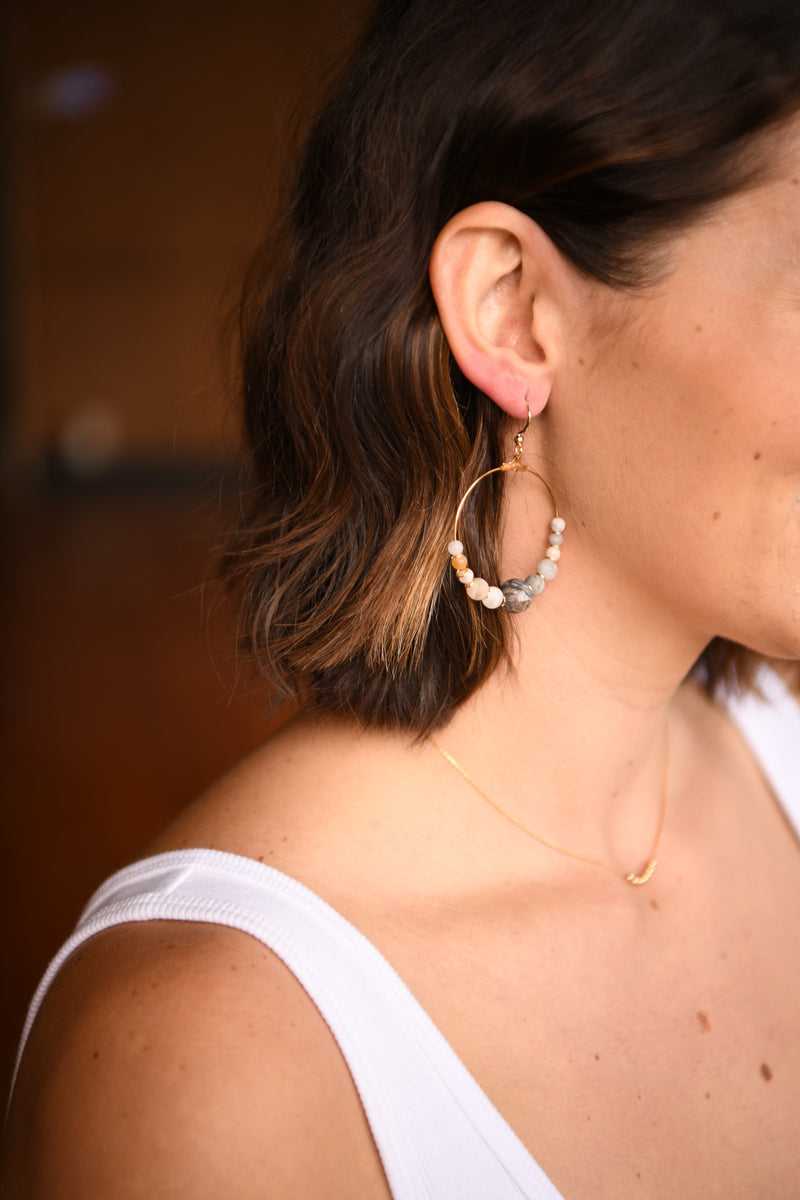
(466,576)
(554,553)
(477,589)
(455,548)
(558,524)
(493,598)
(547,569)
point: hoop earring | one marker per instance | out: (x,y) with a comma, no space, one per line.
(515,595)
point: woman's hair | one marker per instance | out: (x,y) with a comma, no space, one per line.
(610,124)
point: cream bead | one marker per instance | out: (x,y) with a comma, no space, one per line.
(466,576)
(477,589)
(455,548)
(558,524)
(493,598)
(554,553)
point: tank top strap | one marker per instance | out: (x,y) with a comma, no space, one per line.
(438,1134)
(770,724)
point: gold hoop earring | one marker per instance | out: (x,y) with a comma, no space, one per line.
(515,595)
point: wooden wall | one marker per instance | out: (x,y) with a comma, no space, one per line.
(132,208)
(145,147)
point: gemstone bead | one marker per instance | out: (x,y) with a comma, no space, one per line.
(455,548)
(536,584)
(547,569)
(558,524)
(556,539)
(466,576)
(477,589)
(554,553)
(459,561)
(493,598)
(517,593)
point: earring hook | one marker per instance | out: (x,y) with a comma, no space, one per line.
(518,437)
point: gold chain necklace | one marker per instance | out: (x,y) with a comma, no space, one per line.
(629,876)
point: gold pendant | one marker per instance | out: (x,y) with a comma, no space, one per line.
(647,873)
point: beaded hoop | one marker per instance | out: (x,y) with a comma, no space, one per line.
(515,595)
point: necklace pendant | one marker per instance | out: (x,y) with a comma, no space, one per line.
(647,873)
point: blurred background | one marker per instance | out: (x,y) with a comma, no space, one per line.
(143,144)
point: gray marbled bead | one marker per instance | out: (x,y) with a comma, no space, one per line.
(518,595)
(556,539)
(536,584)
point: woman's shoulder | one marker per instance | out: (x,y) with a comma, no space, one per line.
(325,802)
(302,773)
(171,1057)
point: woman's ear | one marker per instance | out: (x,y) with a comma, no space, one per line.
(490,271)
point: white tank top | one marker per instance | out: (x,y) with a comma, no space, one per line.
(438,1134)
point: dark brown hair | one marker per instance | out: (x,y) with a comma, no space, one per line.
(610,124)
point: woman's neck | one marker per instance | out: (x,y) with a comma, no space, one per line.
(574,742)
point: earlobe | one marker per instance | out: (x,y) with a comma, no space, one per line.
(488,283)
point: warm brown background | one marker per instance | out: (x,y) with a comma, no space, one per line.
(126,229)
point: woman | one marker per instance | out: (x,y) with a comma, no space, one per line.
(560,236)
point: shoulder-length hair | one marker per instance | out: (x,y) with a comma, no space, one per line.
(610,124)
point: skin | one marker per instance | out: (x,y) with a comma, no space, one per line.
(642,1042)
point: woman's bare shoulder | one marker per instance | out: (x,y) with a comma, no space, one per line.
(180,1059)
(323,802)
(185,1059)
(276,789)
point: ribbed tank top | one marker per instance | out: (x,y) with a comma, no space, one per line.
(438,1134)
